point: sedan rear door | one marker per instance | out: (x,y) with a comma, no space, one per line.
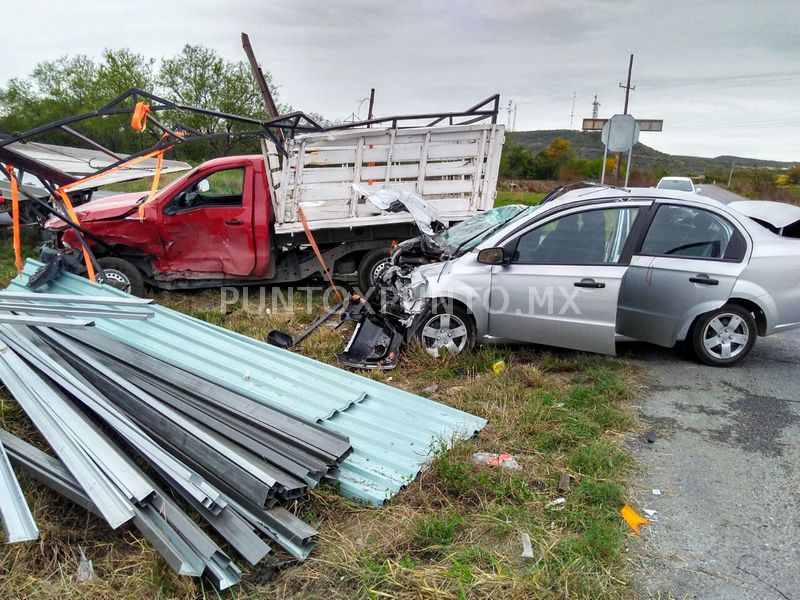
(561,283)
(686,264)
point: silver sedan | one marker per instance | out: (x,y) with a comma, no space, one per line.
(600,265)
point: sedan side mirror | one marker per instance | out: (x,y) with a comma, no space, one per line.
(491,256)
(203,186)
(698,189)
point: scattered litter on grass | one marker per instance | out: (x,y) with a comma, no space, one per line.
(555,502)
(505,461)
(564,481)
(656,492)
(85,568)
(527,548)
(650,512)
(498,366)
(632,518)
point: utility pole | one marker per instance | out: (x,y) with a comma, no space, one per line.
(730,177)
(628,87)
(572,111)
(595,108)
(514,119)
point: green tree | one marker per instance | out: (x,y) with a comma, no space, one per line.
(73,85)
(197,76)
(200,77)
(516,162)
(548,163)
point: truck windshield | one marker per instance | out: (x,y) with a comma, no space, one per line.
(468,234)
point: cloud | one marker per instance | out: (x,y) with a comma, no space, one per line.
(436,55)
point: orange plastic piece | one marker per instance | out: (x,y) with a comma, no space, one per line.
(139,117)
(498,460)
(632,518)
(15,217)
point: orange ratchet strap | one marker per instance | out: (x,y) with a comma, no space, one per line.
(139,116)
(156,180)
(318,254)
(15,217)
(62,192)
(74,217)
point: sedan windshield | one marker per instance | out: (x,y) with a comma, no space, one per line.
(682,185)
(468,234)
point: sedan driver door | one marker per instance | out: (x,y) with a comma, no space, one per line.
(561,279)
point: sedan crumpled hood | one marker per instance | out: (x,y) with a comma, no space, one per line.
(110,207)
(777,214)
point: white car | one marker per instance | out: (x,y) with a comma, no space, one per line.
(680,184)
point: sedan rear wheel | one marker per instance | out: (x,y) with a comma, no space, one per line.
(725,336)
(449,330)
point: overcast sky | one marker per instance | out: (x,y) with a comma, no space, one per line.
(724,75)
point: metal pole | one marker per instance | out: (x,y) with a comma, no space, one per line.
(628,85)
(628,166)
(371,104)
(261,81)
(605,156)
(730,177)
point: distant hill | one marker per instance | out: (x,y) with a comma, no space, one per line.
(587,144)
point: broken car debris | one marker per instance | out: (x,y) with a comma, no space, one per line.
(233,426)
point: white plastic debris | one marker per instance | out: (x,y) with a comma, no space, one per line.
(649,512)
(555,502)
(527,548)
(85,569)
(385,199)
(504,461)
(656,492)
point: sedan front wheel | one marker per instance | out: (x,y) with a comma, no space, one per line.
(725,336)
(447,329)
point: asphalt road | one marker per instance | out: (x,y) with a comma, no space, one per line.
(723,450)
(719,194)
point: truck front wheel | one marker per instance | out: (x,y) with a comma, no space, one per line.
(372,266)
(122,275)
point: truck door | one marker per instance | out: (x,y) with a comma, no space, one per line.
(207,226)
(687,265)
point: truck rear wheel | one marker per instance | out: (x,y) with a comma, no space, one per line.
(122,275)
(372,266)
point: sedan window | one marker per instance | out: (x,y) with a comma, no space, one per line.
(684,231)
(589,237)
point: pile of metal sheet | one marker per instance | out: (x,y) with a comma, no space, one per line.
(101,406)
(392,432)
(233,427)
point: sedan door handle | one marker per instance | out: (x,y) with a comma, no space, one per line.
(589,283)
(234,222)
(704,280)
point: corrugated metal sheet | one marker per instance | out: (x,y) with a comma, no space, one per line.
(392,431)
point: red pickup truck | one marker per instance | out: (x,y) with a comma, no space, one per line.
(234,221)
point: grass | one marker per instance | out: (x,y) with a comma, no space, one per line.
(508,197)
(452,533)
